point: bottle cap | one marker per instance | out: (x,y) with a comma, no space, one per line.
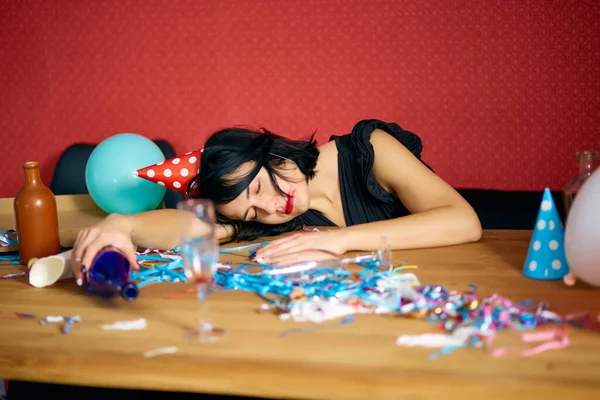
(129,292)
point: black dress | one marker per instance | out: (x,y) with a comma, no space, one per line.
(363,199)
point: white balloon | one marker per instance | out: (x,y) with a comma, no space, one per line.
(582,232)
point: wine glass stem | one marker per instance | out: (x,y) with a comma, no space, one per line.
(204,319)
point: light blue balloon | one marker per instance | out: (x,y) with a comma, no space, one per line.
(110,178)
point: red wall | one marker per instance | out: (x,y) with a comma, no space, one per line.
(502,93)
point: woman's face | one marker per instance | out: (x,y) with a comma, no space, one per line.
(262,202)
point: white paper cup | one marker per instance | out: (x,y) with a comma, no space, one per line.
(49,270)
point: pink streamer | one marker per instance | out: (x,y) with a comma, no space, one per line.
(561,342)
(160,253)
(13,276)
(179,294)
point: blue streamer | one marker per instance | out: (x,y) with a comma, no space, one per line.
(5,240)
(172,270)
(13,258)
(169,272)
(375,285)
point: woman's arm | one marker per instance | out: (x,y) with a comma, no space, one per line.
(439,216)
(159,229)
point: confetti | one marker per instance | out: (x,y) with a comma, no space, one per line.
(457,339)
(24,315)
(70,322)
(179,294)
(133,325)
(160,351)
(5,238)
(324,291)
(562,341)
(52,319)
(13,276)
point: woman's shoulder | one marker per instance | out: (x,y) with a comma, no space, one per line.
(359,140)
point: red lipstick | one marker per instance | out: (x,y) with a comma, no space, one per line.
(289,204)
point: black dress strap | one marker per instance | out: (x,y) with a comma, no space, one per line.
(363,199)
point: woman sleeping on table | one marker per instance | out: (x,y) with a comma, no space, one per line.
(371,182)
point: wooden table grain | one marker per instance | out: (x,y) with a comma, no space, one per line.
(356,361)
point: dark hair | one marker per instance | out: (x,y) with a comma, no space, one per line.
(225,150)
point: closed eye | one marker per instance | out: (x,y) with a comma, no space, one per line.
(255,209)
(247,213)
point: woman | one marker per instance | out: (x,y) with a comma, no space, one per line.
(370,183)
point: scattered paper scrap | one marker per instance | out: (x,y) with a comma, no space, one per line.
(459,338)
(69,321)
(160,351)
(320,310)
(52,318)
(133,325)
(429,340)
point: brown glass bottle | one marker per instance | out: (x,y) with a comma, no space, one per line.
(36,217)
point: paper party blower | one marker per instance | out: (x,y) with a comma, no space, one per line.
(546,256)
(174,173)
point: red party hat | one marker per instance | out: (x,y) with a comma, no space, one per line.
(174,173)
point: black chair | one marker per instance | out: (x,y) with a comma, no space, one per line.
(500,209)
(69,175)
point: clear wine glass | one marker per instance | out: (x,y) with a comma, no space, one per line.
(199,249)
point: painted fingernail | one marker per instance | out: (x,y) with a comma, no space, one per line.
(79,282)
(259,260)
(83,269)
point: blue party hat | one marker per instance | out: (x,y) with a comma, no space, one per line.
(546,256)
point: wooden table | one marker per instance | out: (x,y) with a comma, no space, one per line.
(357,361)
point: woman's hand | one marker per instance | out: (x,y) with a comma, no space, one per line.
(305,246)
(112,231)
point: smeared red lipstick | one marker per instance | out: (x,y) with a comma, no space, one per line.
(289,204)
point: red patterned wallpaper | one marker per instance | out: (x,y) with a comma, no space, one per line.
(502,92)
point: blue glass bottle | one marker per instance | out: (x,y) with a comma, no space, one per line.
(109,275)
